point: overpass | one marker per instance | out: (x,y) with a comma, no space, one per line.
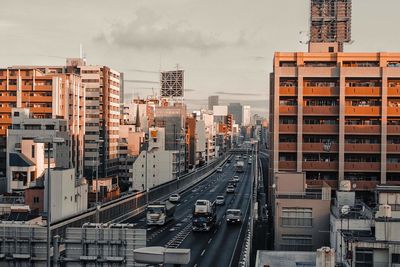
(127,206)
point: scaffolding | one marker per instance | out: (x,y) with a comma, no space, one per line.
(330,21)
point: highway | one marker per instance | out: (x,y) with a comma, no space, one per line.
(222,245)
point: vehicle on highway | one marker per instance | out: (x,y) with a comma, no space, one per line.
(220,200)
(174,198)
(232,182)
(237,157)
(244,157)
(233,216)
(219,169)
(235,178)
(229,160)
(239,166)
(204,215)
(249,162)
(160,212)
(230,189)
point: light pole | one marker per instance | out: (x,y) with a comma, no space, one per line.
(48,141)
(97,179)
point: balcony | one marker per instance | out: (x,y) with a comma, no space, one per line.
(319,183)
(287,165)
(362,148)
(287,91)
(3,87)
(320,165)
(362,166)
(321,110)
(393,91)
(287,128)
(393,129)
(287,110)
(41,110)
(12,88)
(363,91)
(8,98)
(363,111)
(393,167)
(364,185)
(393,111)
(321,128)
(5,109)
(319,147)
(36,99)
(363,129)
(287,147)
(43,88)
(393,148)
(26,87)
(321,91)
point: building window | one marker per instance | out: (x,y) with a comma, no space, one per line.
(331,49)
(395,258)
(364,258)
(35,199)
(296,242)
(33,151)
(296,217)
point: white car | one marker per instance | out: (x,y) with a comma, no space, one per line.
(174,198)
(219,169)
(230,189)
(233,216)
(235,178)
(220,200)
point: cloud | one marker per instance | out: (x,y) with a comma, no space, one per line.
(148,31)
(236,94)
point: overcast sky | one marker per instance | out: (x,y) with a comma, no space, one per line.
(225,46)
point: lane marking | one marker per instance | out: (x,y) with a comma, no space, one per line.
(202,253)
(209,241)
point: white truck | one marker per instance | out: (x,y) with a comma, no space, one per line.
(159,213)
(239,166)
(204,215)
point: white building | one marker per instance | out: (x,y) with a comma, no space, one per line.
(210,132)
(27,160)
(156,165)
(246,120)
(67,196)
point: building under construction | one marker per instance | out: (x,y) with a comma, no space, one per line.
(330,22)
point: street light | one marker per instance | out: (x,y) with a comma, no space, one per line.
(48,141)
(97,179)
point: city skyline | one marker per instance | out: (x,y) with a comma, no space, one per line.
(242,44)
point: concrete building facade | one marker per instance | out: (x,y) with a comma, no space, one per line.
(213,100)
(301,214)
(335,116)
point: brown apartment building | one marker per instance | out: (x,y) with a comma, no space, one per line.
(47,95)
(336,116)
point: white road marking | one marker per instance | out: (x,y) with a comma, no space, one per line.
(202,253)
(209,241)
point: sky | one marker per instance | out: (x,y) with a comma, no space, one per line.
(226,47)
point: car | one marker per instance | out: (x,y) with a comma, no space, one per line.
(233,216)
(244,157)
(219,169)
(220,200)
(229,160)
(174,198)
(249,162)
(232,182)
(230,189)
(235,178)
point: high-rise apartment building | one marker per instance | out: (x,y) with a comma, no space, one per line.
(336,116)
(213,100)
(246,119)
(47,94)
(102,119)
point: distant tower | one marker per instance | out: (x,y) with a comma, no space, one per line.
(330,22)
(213,100)
(172,85)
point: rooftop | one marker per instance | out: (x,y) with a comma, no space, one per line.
(285,258)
